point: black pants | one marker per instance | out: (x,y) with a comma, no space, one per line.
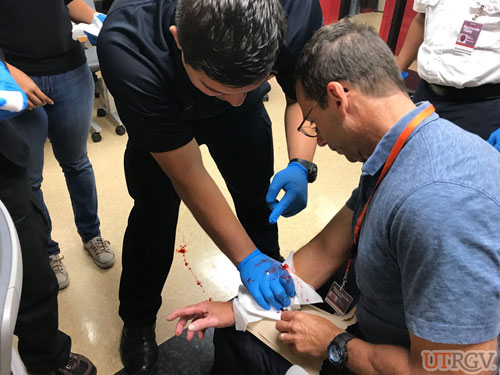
(42,346)
(239,352)
(240,142)
(480,117)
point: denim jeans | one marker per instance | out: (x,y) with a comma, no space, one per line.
(66,123)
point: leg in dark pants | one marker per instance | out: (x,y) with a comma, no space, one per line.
(240,142)
(480,117)
(241,145)
(148,245)
(42,346)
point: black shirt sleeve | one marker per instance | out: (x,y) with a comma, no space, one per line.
(304,17)
(136,72)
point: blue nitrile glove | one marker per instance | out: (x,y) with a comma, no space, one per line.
(267,280)
(13,100)
(494,139)
(292,179)
(95,27)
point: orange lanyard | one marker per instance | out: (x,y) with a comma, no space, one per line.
(388,164)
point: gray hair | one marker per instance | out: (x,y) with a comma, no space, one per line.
(350,52)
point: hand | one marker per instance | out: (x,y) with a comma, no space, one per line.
(308,334)
(494,139)
(93,33)
(267,280)
(292,179)
(12,99)
(36,97)
(204,315)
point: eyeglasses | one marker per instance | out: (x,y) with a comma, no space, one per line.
(311,130)
(308,130)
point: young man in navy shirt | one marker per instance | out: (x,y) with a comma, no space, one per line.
(191,72)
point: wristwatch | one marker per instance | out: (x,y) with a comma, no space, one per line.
(337,349)
(312,169)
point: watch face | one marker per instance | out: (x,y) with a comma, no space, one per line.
(335,354)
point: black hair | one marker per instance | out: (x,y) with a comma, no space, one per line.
(234,42)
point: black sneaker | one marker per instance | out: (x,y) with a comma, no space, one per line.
(77,365)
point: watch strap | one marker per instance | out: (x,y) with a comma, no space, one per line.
(341,341)
(312,169)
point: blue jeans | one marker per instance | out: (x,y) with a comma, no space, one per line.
(67,125)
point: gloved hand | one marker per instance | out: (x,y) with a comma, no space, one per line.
(91,31)
(494,139)
(267,280)
(292,179)
(12,99)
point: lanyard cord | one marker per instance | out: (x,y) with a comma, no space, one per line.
(388,164)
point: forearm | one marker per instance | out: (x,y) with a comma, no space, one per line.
(368,359)
(80,11)
(299,146)
(317,261)
(414,39)
(204,199)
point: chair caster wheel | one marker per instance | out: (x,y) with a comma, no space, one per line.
(120,130)
(96,137)
(101,112)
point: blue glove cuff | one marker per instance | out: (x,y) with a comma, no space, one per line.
(303,169)
(253,254)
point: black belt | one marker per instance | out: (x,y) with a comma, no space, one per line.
(484,92)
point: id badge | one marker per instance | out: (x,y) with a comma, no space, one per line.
(467,37)
(338,299)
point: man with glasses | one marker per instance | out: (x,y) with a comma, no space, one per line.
(191,72)
(421,229)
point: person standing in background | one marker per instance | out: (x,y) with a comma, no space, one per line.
(43,348)
(51,68)
(458,47)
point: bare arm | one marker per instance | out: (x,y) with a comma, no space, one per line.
(325,253)
(201,195)
(369,359)
(80,11)
(310,335)
(299,146)
(412,43)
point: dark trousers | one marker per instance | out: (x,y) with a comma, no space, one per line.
(477,116)
(238,352)
(240,142)
(42,346)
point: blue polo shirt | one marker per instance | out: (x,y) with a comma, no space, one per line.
(428,259)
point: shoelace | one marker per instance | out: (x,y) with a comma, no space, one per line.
(56,264)
(100,246)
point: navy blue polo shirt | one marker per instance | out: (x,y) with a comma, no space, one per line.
(142,67)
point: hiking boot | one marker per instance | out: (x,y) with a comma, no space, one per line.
(100,251)
(59,270)
(77,365)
